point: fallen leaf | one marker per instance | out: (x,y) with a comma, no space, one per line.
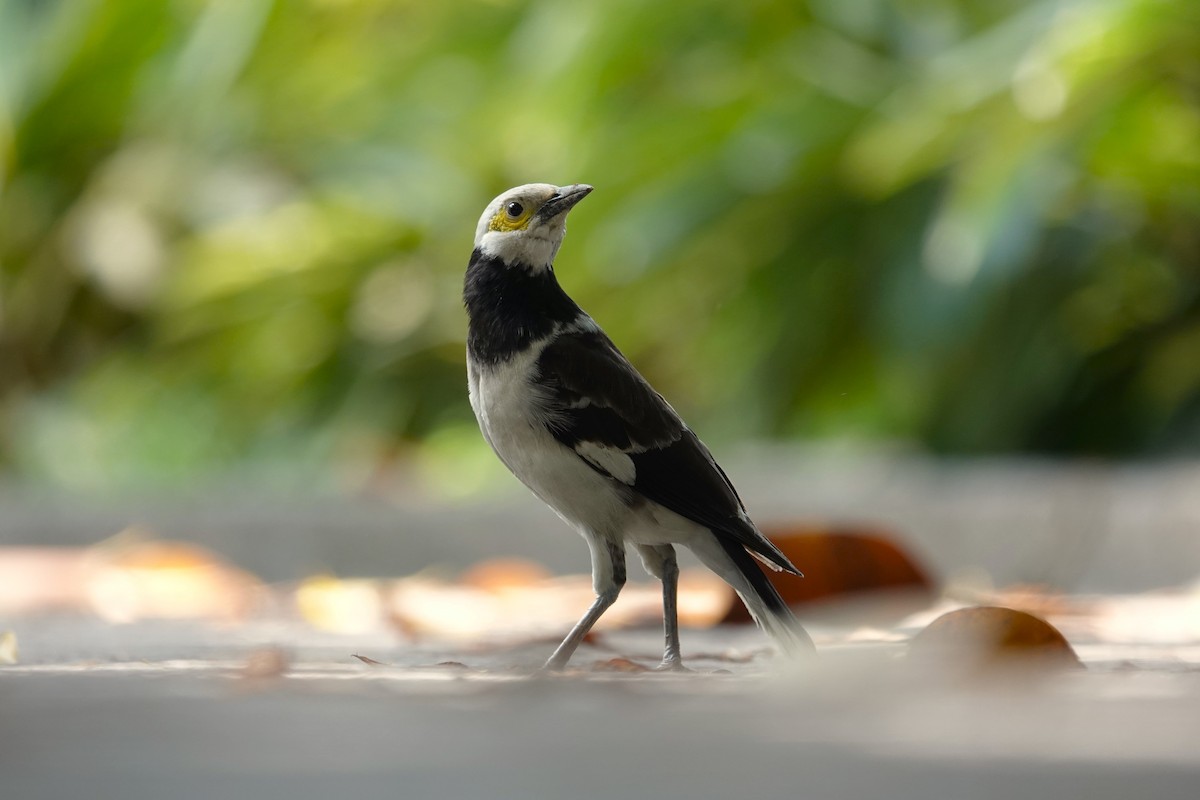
(42,579)
(504,574)
(8,648)
(619,665)
(132,577)
(988,636)
(865,566)
(424,606)
(341,605)
(368,660)
(266,663)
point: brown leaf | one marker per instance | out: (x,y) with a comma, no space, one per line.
(266,663)
(845,564)
(503,574)
(990,636)
(41,579)
(133,577)
(368,660)
(619,665)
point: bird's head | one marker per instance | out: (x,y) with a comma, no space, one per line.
(525,226)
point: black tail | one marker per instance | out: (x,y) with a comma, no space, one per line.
(762,586)
(766,606)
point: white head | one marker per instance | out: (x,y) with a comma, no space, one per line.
(525,226)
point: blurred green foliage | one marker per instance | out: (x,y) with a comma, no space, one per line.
(235,230)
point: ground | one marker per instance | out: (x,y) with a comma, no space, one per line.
(268,706)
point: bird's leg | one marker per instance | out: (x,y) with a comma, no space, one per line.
(659,560)
(608,576)
(672,660)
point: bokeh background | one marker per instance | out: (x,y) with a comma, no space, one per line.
(232,232)
(925,275)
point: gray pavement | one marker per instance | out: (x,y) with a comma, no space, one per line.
(858,724)
(168,709)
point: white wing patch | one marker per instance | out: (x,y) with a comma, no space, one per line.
(613,461)
(581,324)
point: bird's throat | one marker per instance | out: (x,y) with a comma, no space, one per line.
(510,307)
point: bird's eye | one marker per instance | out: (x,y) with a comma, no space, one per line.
(514,209)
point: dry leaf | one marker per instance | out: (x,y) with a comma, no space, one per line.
(846,564)
(265,664)
(8,648)
(340,605)
(41,579)
(504,574)
(423,605)
(990,636)
(368,660)
(619,665)
(132,578)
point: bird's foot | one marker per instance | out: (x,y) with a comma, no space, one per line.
(554,665)
(672,665)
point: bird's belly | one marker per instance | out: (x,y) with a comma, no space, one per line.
(653,524)
(507,415)
(585,499)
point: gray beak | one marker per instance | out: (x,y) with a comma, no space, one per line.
(563,200)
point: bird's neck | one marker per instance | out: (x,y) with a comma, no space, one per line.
(509,308)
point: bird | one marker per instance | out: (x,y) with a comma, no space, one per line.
(573,420)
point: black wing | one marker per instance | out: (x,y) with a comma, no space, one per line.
(614,420)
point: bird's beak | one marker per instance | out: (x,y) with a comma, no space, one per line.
(563,200)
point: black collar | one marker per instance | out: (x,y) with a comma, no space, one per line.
(510,306)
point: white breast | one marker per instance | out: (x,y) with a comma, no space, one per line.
(512,417)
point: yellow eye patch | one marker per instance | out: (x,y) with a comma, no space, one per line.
(512,216)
